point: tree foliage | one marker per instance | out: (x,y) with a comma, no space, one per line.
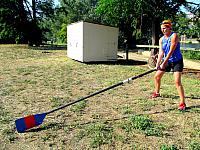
(71,11)
(135,18)
(13,21)
(21,22)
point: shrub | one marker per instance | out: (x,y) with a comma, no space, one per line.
(193,145)
(191,54)
(166,147)
(144,124)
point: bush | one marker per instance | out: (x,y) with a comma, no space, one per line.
(166,147)
(194,145)
(143,124)
(191,54)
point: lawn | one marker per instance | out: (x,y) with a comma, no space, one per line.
(35,81)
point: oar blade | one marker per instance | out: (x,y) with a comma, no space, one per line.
(29,122)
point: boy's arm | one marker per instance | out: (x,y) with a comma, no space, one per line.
(160,54)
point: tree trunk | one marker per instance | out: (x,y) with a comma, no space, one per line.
(34,10)
(155,31)
(35,32)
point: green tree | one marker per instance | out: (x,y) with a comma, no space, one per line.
(71,11)
(196,21)
(188,25)
(21,22)
(182,24)
(45,19)
(13,22)
(137,19)
(123,14)
(41,21)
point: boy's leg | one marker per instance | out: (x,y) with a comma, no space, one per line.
(179,86)
(178,68)
(157,80)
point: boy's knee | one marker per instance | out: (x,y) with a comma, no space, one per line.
(178,83)
(156,77)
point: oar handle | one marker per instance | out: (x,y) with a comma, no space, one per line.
(101,91)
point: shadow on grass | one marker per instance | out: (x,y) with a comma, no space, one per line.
(191,107)
(195,109)
(48,47)
(177,97)
(119,62)
(193,97)
(56,126)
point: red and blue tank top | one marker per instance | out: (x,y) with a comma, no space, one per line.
(166,43)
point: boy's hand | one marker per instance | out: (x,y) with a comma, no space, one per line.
(157,67)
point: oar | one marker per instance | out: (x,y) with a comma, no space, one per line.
(28,122)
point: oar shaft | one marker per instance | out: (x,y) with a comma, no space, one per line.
(101,91)
(83,98)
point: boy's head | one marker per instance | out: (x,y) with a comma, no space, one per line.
(166,24)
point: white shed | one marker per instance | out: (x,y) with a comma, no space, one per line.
(88,42)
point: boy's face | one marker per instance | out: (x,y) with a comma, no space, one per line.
(165,29)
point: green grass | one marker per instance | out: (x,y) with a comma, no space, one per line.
(33,81)
(78,107)
(99,134)
(194,145)
(126,109)
(143,124)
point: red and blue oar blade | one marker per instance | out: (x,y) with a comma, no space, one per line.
(28,122)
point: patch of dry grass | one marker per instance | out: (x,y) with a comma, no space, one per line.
(34,81)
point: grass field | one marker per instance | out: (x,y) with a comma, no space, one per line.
(35,81)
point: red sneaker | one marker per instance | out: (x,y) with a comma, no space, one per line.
(182,106)
(154,95)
